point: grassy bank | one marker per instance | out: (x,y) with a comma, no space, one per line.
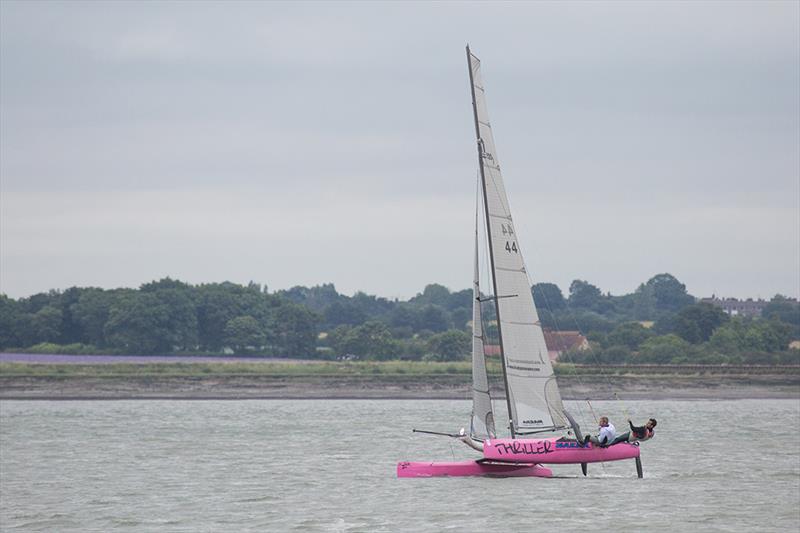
(360,369)
(412,368)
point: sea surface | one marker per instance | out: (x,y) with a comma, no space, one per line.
(330,466)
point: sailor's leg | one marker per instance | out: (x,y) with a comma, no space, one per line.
(466,439)
(622,438)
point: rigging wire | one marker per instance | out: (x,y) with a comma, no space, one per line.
(469,394)
(487,282)
(594,415)
(602,463)
(549,309)
(596,362)
(483,268)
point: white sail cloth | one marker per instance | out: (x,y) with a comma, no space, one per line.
(534,399)
(482,422)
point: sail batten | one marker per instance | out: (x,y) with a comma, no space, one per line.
(534,401)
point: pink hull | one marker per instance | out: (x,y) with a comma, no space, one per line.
(471,468)
(554,451)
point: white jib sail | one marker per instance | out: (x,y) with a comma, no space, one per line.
(482,422)
(534,399)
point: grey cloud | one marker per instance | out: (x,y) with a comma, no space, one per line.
(599,110)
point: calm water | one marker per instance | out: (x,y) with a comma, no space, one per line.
(330,466)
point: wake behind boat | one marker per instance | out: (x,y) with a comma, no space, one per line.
(532,395)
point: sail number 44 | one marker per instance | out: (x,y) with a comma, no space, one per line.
(511,246)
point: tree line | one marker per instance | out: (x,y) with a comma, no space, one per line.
(658,323)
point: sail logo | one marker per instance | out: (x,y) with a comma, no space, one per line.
(484,153)
(523,448)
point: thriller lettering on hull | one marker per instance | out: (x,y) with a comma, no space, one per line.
(524,448)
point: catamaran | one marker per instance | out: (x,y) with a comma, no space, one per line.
(531,389)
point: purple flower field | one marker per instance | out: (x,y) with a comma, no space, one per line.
(135,359)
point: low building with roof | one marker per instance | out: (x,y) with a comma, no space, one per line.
(736,307)
(558,343)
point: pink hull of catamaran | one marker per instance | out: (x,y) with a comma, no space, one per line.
(555,451)
(472,468)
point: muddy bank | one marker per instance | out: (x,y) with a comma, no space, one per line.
(386,387)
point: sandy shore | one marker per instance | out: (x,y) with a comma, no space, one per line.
(383,387)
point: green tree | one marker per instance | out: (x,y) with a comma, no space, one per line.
(371,340)
(695,323)
(669,293)
(91,312)
(585,321)
(403,316)
(317,298)
(644,303)
(726,340)
(663,349)
(45,325)
(629,334)
(433,318)
(412,349)
(217,303)
(584,295)
(433,294)
(786,310)
(461,317)
(34,303)
(139,323)
(345,312)
(777,334)
(745,335)
(548,297)
(295,330)
(244,334)
(163,284)
(11,316)
(450,345)
(71,330)
(616,355)
(371,305)
(460,300)
(181,323)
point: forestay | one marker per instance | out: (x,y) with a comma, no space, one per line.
(534,401)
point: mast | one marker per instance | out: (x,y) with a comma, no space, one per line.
(491,251)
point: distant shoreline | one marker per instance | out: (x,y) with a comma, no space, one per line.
(446,387)
(135,377)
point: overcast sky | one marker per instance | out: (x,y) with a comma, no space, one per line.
(303,143)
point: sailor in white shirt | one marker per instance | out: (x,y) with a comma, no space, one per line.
(607,433)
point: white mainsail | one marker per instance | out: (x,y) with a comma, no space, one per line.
(482,422)
(534,401)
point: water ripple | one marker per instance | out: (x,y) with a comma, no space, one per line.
(329,466)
